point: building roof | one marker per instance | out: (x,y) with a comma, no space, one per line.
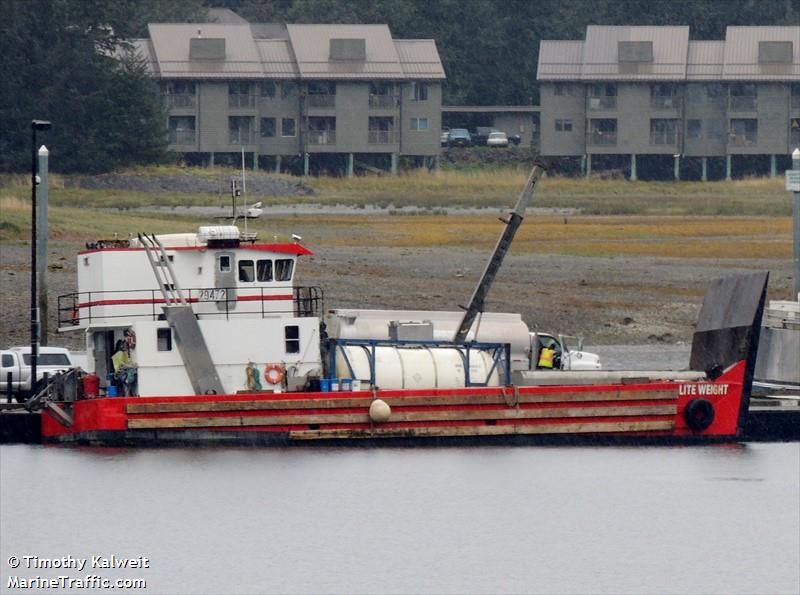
(171,44)
(272,50)
(674,57)
(742,49)
(601,60)
(560,60)
(705,61)
(311,44)
(419,58)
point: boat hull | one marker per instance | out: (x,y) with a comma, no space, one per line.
(634,410)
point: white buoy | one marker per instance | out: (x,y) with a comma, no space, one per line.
(379,411)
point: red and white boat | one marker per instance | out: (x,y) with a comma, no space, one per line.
(227,349)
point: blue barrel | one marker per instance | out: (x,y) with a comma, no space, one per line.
(325,385)
(345,385)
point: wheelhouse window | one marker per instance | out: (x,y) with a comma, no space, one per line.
(164,339)
(288,127)
(264,270)
(602,96)
(246,271)
(292,337)
(224,264)
(283,269)
(47,359)
(664,131)
(603,131)
(419,91)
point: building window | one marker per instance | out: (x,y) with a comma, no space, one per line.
(240,95)
(268,89)
(664,96)
(292,336)
(419,91)
(664,131)
(288,127)
(560,89)
(714,91)
(795,95)
(321,94)
(288,90)
(164,339)
(603,131)
(267,127)
(240,129)
(264,270)
(602,96)
(743,132)
(246,271)
(181,94)
(283,269)
(321,131)
(419,124)
(181,130)
(694,129)
(743,97)
(381,95)
(563,125)
(381,130)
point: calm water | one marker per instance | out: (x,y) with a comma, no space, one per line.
(451,520)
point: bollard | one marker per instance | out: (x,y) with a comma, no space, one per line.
(9,392)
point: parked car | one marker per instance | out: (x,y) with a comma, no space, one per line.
(17,362)
(497,139)
(459,137)
(445,136)
(481,135)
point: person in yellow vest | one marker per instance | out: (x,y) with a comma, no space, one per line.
(546,358)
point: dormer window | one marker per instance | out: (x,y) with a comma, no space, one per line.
(775,52)
(637,52)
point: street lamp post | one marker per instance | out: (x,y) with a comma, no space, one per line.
(35,125)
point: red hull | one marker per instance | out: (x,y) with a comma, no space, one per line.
(651,409)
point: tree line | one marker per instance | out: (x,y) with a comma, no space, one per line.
(59,64)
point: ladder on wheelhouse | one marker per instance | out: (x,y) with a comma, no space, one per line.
(181,317)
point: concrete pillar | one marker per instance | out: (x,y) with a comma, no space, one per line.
(255,160)
(349,165)
(436,163)
(677,167)
(633,167)
(704,174)
(588,164)
(773,166)
(394,163)
(277,164)
(728,163)
(211,160)
(305,164)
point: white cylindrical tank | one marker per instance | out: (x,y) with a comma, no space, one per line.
(416,368)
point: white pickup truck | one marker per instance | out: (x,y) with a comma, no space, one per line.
(16,361)
(566,358)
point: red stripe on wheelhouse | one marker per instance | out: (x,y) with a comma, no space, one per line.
(135,301)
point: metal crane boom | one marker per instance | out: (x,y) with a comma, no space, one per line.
(503,244)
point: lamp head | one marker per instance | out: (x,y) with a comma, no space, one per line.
(41,125)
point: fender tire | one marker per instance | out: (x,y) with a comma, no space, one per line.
(699,414)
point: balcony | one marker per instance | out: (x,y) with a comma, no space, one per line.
(182,137)
(321,137)
(181,100)
(321,101)
(742,103)
(666,102)
(382,102)
(602,139)
(241,101)
(602,103)
(381,137)
(242,137)
(742,140)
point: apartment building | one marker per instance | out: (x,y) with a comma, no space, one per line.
(277,91)
(632,91)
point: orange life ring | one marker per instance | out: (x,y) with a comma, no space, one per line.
(274,373)
(74,317)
